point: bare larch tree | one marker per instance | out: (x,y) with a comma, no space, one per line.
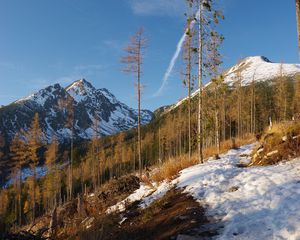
(133,61)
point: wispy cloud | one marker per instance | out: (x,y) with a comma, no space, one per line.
(157,7)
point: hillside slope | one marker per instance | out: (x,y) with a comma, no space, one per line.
(259,68)
(242,203)
(256,69)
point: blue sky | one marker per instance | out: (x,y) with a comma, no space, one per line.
(43,42)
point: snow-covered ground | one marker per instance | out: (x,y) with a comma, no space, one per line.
(265,204)
(244,203)
(139,194)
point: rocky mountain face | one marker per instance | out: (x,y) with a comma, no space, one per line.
(89,104)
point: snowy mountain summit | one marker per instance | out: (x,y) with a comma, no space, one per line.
(89,104)
(259,68)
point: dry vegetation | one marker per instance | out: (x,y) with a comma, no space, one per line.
(77,214)
(174,214)
(173,166)
(281,142)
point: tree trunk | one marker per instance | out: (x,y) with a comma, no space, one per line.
(298,23)
(200,74)
(20,197)
(71,165)
(33,208)
(159,147)
(139,115)
(189,86)
(53,223)
(217,128)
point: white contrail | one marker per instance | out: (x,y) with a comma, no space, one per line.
(173,60)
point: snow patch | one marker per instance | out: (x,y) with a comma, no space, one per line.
(160,191)
(251,203)
(139,194)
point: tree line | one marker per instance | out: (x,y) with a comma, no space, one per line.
(217,112)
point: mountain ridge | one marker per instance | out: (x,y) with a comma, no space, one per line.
(259,68)
(248,68)
(89,104)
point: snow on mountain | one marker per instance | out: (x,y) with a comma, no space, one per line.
(243,203)
(80,90)
(41,96)
(259,68)
(101,104)
(89,104)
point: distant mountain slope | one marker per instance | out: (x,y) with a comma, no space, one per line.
(89,103)
(257,68)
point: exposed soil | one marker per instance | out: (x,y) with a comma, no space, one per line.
(95,205)
(71,217)
(21,236)
(176,213)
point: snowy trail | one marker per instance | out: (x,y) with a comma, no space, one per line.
(251,203)
(243,203)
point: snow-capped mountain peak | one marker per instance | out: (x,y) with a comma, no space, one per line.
(80,89)
(254,68)
(42,95)
(89,104)
(258,68)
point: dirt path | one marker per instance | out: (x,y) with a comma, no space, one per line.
(174,214)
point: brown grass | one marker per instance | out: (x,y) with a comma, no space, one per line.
(170,169)
(173,214)
(228,144)
(282,142)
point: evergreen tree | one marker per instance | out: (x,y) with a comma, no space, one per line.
(19,156)
(207,18)
(253,104)
(217,79)
(3,162)
(34,144)
(188,78)
(52,183)
(296,99)
(239,95)
(67,105)
(281,95)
